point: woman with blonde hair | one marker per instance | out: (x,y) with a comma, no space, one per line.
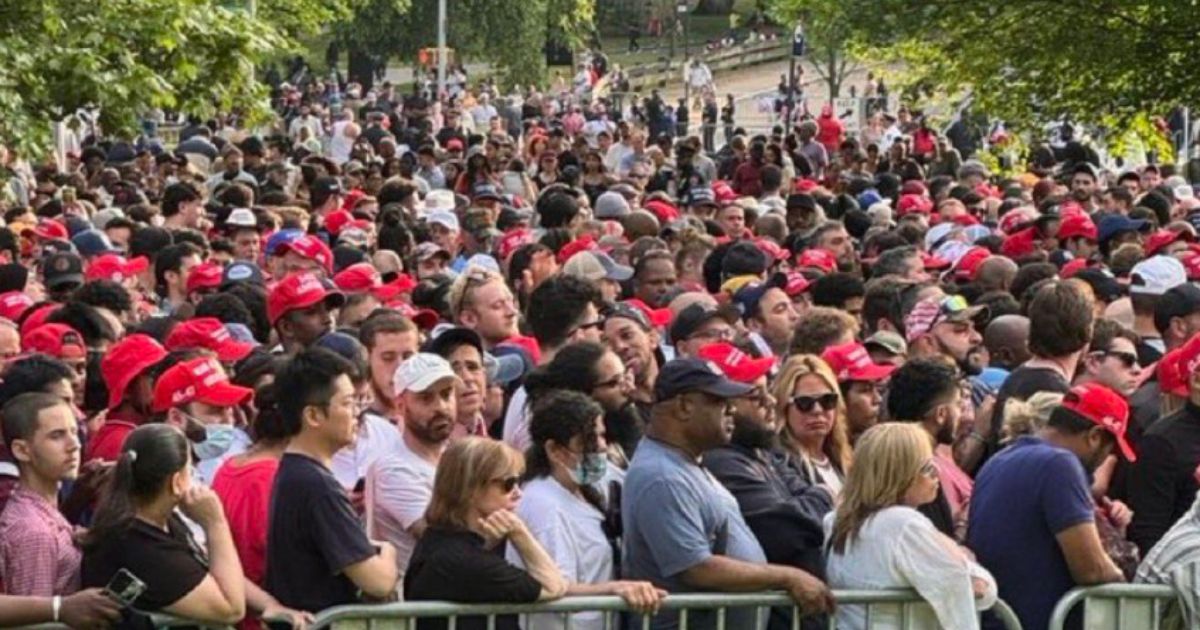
(878,539)
(814,429)
(475,491)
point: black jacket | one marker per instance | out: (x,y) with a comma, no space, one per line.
(784,511)
(1162,484)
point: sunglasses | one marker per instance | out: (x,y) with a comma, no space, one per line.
(596,324)
(476,276)
(949,306)
(1128,359)
(806,404)
(508,484)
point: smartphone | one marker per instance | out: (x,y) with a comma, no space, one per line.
(125,588)
(362,483)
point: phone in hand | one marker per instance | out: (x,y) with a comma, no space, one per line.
(125,588)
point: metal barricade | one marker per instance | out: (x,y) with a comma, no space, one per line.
(1115,606)
(402,615)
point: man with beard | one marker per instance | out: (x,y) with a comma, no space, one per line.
(400,485)
(781,508)
(1032,522)
(926,392)
(629,332)
(1084,185)
(463,349)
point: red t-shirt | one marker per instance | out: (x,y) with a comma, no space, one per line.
(245,493)
(109,438)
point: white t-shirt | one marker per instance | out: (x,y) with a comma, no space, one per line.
(398,489)
(341,143)
(377,437)
(568,528)
(516,421)
(899,547)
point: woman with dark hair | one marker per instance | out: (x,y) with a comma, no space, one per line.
(136,530)
(564,510)
(479,171)
(474,494)
(596,179)
(747,179)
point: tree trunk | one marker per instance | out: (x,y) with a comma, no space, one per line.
(361,69)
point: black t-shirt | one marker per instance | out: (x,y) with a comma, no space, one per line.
(1022,383)
(453,565)
(313,536)
(169,562)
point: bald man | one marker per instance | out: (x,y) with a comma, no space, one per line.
(1007,341)
(995,273)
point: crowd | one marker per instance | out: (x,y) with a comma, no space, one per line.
(511,354)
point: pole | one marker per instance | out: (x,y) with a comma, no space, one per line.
(441,42)
(687,48)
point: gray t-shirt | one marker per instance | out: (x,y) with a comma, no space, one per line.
(677,515)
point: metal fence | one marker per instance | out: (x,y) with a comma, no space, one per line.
(1116,607)
(903,603)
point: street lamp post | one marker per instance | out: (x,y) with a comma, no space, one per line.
(441,48)
(799,45)
(682,9)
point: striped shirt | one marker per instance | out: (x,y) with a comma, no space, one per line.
(1175,562)
(38,556)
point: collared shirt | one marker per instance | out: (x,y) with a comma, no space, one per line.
(38,556)
(1175,561)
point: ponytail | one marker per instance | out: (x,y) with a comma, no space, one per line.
(116,510)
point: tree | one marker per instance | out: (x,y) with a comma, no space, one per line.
(127,57)
(829,34)
(511,34)
(1030,60)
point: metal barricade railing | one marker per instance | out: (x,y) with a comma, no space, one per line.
(403,615)
(1115,606)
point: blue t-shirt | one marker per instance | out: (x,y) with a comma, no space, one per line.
(1023,497)
(677,515)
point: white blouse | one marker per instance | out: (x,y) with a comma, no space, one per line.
(899,547)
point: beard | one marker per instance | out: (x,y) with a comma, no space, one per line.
(425,431)
(749,433)
(945,434)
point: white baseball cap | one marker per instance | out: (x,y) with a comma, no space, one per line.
(439,200)
(1157,275)
(241,217)
(420,372)
(444,218)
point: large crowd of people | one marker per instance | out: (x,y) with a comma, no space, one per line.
(406,348)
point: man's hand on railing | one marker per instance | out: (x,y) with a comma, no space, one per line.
(811,594)
(642,597)
(282,614)
(90,609)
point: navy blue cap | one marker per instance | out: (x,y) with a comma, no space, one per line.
(344,345)
(747,298)
(93,242)
(1114,224)
(681,376)
(282,236)
(486,191)
(242,271)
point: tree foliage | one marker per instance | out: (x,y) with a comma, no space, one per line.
(1037,60)
(830,36)
(126,57)
(512,34)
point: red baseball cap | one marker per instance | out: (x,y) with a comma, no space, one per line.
(664,211)
(49,229)
(13,305)
(513,240)
(735,363)
(773,251)
(852,362)
(57,340)
(932,262)
(206,275)
(968,264)
(300,290)
(200,380)
(1171,379)
(1104,407)
(208,333)
(36,316)
(822,259)
(1191,263)
(910,204)
(1019,244)
(1161,239)
(797,283)
(310,247)
(723,192)
(1073,267)
(115,267)
(125,361)
(363,278)
(581,244)
(658,317)
(1077,224)
(424,318)
(340,220)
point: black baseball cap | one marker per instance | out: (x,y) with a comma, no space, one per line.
(1103,284)
(242,271)
(1179,301)
(62,268)
(682,376)
(690,319)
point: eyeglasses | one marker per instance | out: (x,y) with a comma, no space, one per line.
(507,483)
(807,404)
(1128,359)
(715,334)
(596,324)
(929,470)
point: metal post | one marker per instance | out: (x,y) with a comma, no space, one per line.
(441,43)
(682,7)
(791,99)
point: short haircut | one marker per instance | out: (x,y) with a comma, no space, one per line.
(1106,332)
(33,373)
(557,208)
(835,288)
(881,300)
(556,305)
(86,320)
(148,241)
(820,327)
(171,259)
(1060,320)
(918,386)
(383,321)
(1029,275)
(105,294)
(307,380)
(20,415)
(176,195)
(893,262)
(228,308)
